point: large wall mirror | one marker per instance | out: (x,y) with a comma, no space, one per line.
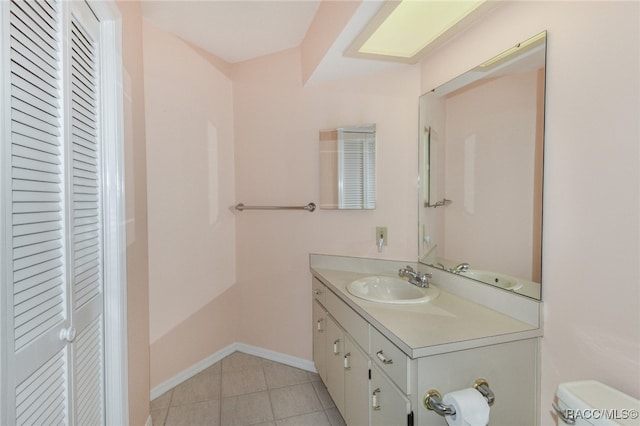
(481,155)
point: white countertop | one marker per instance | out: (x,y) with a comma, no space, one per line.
(448,323)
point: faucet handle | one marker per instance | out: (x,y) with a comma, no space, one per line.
(406,272)
(424,279)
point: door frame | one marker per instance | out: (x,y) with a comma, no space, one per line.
(115,269)
(115,277)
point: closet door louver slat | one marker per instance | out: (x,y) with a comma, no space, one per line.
(88,377)
(85,175)
(38,257)
(86,225)
(36,170)
(39,398)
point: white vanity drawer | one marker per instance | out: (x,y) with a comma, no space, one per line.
(319,291)
(353,323)
(390,359)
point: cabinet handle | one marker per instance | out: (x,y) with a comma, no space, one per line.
(382,358)
(317,292)
(68,334)
(319,325)
(336,350)
(374,400)
(347,358)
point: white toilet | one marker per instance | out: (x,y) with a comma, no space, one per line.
(591,403)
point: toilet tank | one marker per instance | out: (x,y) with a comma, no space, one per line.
(592,403)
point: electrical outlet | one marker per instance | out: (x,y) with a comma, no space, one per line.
(381,232)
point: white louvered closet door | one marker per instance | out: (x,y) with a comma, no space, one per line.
(56,214)
(85,219)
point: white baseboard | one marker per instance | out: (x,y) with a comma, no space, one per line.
(193,370)
(222,353)
(285,359)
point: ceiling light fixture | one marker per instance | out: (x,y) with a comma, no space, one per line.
(404,30)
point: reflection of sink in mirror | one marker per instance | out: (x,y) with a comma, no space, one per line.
(383,289)
(493,278)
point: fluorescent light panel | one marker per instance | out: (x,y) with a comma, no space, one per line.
(411,25)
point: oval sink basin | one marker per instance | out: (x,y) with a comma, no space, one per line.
(385,289)
(493,278)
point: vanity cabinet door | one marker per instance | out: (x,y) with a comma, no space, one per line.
(335,363)
(388,405)
(356,385)
(390,359)
(319,291)
(320,340)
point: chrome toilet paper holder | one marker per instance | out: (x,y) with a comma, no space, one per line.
(433,399)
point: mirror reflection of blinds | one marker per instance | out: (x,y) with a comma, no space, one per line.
(356,170)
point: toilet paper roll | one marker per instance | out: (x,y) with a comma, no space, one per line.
(471,408)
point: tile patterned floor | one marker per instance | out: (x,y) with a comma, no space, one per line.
(243,390)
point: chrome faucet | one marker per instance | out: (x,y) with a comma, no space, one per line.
(414,277)
(463,267)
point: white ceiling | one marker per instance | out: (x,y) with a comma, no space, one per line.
(235,30)
(238,30)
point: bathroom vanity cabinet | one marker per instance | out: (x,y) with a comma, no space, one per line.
(378,376)
(360,390)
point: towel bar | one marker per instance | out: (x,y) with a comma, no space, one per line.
(309,207)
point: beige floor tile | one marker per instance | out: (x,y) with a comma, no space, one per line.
(203,386)
(313,377)
(244,410)
(314,419)
(323,394)
(247,390)
(294,400)
(162,401)
(215,368)
(239,361)
(158,416)
(335,418)
(243,382)
(205,413)
(280,375)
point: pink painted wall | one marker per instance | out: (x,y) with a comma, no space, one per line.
(591,276)
(190,170)
(277,124)
(136,214)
